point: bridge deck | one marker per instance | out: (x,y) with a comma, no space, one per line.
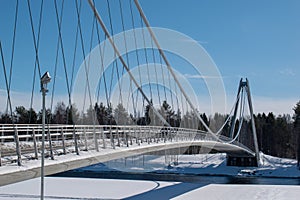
(31,169)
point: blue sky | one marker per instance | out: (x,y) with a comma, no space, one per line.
(255,39)
(259,40)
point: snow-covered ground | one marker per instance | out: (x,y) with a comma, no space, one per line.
(96,189)
(201,164)
(211,164)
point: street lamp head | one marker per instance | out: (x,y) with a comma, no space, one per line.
(46,78)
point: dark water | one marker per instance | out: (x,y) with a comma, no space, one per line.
(203,179)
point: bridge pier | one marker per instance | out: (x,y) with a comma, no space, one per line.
(241,161)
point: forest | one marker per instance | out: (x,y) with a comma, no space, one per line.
(277,135)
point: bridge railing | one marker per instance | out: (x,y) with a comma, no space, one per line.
(62,139)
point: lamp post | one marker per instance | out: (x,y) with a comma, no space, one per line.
(45,79)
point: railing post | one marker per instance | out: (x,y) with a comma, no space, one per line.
(126,138)
(0,158)
(130,135)
(38,138)
(85,139)
(50,144)
(18,150)
(110,136)
(157,135)
(63,140)
(112,140)
(103,139)
(99,134)
(75,140)
(123,137)
(149,135)
(95,138)
(34,144)
(57,138)
(139,134)
(27,133)
(118,137)
(142,135)
(2,140)
(136,135)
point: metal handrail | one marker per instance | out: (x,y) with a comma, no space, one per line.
(63,136)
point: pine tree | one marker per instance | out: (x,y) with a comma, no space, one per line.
(72,114)
(90,116)
(121,115)
(60,113)
(297,129)
(22,115)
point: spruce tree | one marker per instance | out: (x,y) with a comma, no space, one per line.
(297,129)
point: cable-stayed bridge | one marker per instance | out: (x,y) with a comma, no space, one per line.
(92,145)
(124,96)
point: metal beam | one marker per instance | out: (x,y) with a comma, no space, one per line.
(252,120)
(235,111)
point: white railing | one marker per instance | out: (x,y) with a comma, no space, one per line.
(21,141)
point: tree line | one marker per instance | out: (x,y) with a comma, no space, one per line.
(277,135)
